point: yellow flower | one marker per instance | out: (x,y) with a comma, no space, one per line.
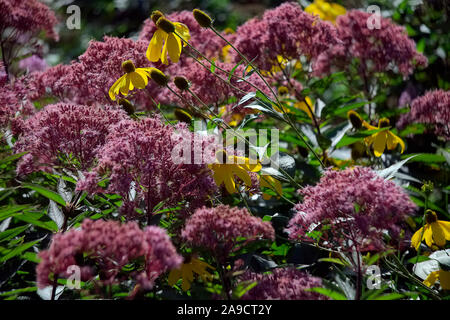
(226,167)
(271,183)
(325,11)
(434,231)
(168,42)
(132,78)
(383,138)
(441,275)
(301,105)
(186,273)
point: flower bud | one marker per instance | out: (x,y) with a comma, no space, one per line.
(202,18)
(182,116)
(127,106)
(128,66)
(355,119)
(165,25)
(181,83)
(156,15)
(159,77)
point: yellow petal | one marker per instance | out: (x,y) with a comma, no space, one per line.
(116,87)
(438,234)
(164,51)
(155,46)
(174,47)
(242,174)
(416,239)
(444,279)
(431,279)
(393,140)
(137,80)
(368,126)
(428,235)
(379,143)
(229,184)
(445,225)
(144,75)
(174,275)
(183,31)
(126,87)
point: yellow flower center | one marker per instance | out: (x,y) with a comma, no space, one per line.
(128,66)
(165,25)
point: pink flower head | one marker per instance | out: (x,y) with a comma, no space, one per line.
(27,16)
(432,109)
(357,205)
(88,80)
(378,49)
(287,31)
(138,155)
(66,135)
(282,284)
(33,63)
(219,229)
(103,248)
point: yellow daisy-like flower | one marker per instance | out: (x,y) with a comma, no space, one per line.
(227,167)
(441,275)
(164,41)
(434,232)
(271,183)
(187,270)
(325,11)
(133,77)
(301,105)
(383,138)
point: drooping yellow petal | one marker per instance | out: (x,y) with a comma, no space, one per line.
(431,279)
(138,80)
(114,90)
(242,174)
(174,275)
(428,235)
(445,225)
(144,75)
(125,88)
(393,140)
(183,31)
(304,107)
(164,59)
(229,184)
(438,234)
(174,47)
(254,166)
(379,143)
(417,239)
(155,46)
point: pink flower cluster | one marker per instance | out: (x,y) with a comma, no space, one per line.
(282,284)
(27,16)
(433,109)
(287,31)
(65,135)
(103,248)
(88,80)
(139,155)
(219,229)
(33,63)
(378,49)
(16,100)
(357,205)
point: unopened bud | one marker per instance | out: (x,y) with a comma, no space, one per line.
(355,119)
(202,18)
(182,83)
(127,106)
(159,77)
(165,25)
(182,116)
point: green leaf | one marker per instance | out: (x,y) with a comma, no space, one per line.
(49,194)
(234,69)
(425,157)
(329,293)
(18,250)
(390,296)
(213,67)
(11,233)
(12,157)
(333,260)
(6,212)
(36,221)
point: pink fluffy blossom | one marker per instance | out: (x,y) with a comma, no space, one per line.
(138,155)
(378,49)
(27,16)
(282,284)
(33,63)
(287,31)
(88,80)
(103,248)
(65,135)
(432,109)
(219,229)
(357,204)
